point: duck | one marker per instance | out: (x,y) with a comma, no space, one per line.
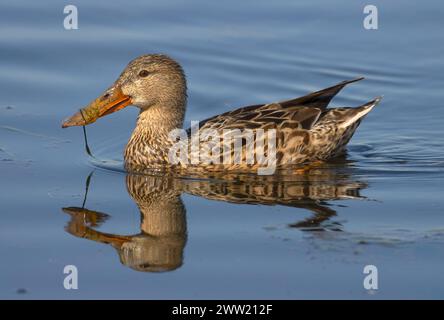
(304,129)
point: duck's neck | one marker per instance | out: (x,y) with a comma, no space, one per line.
(149,143)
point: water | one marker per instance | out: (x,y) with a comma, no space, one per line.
(309,238)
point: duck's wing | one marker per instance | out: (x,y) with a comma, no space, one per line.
(319,99)
(299,113)
(266,116)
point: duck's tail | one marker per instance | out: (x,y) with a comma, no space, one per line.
(355,114)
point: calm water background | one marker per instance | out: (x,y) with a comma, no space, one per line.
(234,53)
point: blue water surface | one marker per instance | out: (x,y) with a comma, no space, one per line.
(383,205)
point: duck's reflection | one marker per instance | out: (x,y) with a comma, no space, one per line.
(160,244)
(163,228)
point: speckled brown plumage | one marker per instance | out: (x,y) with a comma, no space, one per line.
(306,130)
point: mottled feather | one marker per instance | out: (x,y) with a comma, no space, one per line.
(305,129)
(304,111)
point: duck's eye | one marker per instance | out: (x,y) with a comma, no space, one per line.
(143,73)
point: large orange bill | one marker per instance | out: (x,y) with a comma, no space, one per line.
(111,101)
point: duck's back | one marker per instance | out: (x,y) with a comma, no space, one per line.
(305,130)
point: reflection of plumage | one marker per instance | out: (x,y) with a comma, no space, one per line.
(159,246)
(275,190)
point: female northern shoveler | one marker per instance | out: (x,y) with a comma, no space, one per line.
(306,131)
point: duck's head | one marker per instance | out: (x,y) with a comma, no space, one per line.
(149,80)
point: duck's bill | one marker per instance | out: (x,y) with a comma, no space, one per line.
(112,101)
